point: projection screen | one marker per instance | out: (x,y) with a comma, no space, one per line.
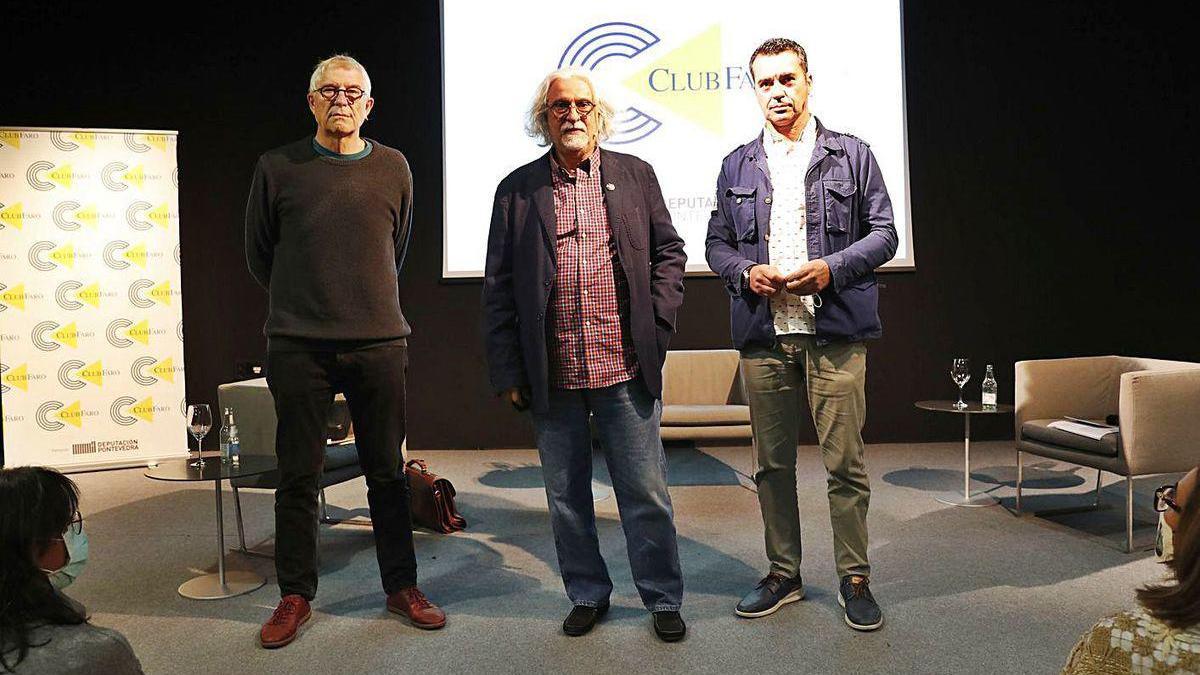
(677,73)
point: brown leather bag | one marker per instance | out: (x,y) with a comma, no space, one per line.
(432,499)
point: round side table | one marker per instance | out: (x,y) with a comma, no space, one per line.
(973,408)
(222,584)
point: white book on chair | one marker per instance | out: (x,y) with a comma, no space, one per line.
(1088,429)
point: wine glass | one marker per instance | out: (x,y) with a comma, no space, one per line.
(199,418)
(960,372)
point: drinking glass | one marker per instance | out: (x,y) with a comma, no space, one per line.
(960,372)
(199,417)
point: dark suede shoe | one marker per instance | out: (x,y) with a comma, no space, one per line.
(862,612)
(582,619)
(669,626)
(773,592)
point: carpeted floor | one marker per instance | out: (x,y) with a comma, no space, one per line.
(964,590)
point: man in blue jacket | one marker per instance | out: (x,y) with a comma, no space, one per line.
(802,221)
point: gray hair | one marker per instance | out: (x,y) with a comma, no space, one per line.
(536,125)
(339,61)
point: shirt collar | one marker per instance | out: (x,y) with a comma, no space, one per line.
(587,166)
(772,139)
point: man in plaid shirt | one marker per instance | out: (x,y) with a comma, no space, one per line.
(584,276)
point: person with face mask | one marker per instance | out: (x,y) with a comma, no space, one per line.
(43,549)
(1163,634)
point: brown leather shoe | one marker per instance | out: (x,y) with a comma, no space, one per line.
(280,629)
(412,603)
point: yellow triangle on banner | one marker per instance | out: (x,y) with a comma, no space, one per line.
(90,294)
(61,175)
(88,215)
(144,409)
(13,215)
(71,415)
(164,370)
(93,373)
(157,140)
(17,377)
(64,255)
(687,81)
(12,138)
(87,138)
(67,335)
(14,297)
(161,293)
(140,332)
(136,175)
(137,255)
(161,216)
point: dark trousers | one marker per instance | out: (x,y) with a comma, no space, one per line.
(303,384)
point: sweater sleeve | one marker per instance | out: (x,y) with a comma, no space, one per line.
(261,233)
(404,219)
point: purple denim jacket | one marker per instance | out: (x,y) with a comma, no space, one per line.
(850,227)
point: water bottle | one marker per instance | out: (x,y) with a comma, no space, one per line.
(230,445)
(989,389)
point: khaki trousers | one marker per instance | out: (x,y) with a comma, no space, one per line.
(832,378)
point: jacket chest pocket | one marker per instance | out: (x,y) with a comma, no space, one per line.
(839,196)
(742,202)
(636,231)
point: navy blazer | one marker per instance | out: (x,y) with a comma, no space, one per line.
(520,269)
(849,226)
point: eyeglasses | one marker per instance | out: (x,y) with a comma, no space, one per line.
(561,108)
(75,527)
(330,92)
(1164,498)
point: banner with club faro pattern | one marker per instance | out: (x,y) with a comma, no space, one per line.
(91,330)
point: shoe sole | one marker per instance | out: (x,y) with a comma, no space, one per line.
(291,638)
(794,596)
(580,633)
(422,626)
(858,626)
(670,637)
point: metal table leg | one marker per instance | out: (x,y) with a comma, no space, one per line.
(966,499)
(222,584)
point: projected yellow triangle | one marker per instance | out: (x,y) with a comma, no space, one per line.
(161,216)
(90,294)
(87,138)
(14,297)
(144,409)
(699,99)
(67,335)
(137,255)
(140,332)
(88,215)
(13,215)
(71,415)
(61,175)
(18,377)
(136,175)
(93,373)
(164,370)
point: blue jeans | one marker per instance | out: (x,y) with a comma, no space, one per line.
(626,417)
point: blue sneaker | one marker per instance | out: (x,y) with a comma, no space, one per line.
(862,612)
(769,595)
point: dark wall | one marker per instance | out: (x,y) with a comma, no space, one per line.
(1051,152)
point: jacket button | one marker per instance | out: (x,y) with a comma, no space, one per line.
(547,283)
(767,200)
(739,200)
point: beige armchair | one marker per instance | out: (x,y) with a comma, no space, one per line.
(703,399)
(1156,401)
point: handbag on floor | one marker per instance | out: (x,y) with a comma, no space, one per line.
(432,499)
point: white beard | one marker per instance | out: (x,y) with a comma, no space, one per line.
(575,141)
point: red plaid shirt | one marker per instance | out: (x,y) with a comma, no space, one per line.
(588,333)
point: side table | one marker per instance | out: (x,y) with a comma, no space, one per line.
(973,408)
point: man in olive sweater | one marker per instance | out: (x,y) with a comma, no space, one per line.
(327,227)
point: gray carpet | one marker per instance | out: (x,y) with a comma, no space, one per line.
(964,590)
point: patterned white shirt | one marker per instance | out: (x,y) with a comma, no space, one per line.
(787,245)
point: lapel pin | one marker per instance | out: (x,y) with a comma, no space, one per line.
(610,187)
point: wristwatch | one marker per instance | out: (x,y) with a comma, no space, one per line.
(746,277)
